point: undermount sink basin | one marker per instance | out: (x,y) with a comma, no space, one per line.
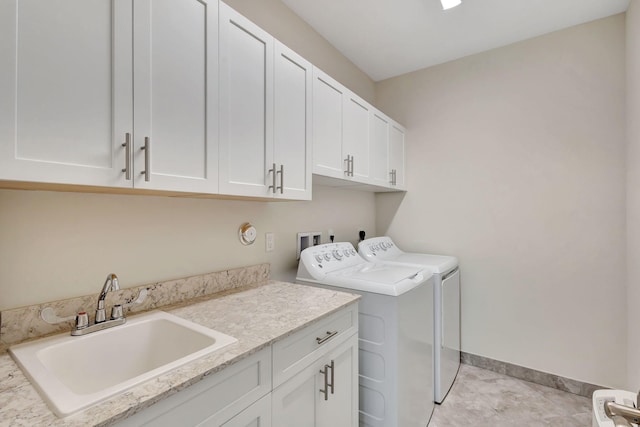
(72,373)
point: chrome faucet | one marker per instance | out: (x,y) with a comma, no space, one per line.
(117,317)
(621,415)
(111,284)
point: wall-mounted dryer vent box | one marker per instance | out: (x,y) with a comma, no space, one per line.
(311,238)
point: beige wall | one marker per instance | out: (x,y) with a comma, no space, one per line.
(283,24)
(58,245)
(633,192)
(516,164)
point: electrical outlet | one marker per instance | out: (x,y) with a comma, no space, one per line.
(316,237)
(270,241)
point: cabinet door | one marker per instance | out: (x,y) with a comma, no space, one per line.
(355,136)
(175,72)
(341,408)
(379,145)
(397,155)
(246,106)
(294,402)
(256,415)
(327,126)
(65,90)
(292,124)
(300,401)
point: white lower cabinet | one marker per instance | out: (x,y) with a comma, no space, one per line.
(216,400)
(315,374)
(308,379)
(324,394)
(256,415)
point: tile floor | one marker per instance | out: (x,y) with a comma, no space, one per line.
(481,398)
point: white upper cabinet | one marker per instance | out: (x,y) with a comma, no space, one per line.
(397,156)
(379,149)
(292,124)
(246,106)
(65,90)
(67,94)
(327,126)
(352,140)
(355,136)
(175,93)
(265,104)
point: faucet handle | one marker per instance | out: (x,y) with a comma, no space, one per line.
(82,320)
(116,312)
(49,315)
(140,298)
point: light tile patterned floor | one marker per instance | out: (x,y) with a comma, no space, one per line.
(481,398)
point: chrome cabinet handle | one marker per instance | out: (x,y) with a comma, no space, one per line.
(330,334)
(393,177)
(273,187)
(349,161)
(147,158)
(127,151)
(281,172)
(328,385)
(325,372)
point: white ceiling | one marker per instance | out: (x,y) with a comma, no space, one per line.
(387,38)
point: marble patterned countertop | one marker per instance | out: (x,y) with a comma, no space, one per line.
(255,315)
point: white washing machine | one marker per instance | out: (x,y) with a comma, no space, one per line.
(395,347)
(446,308)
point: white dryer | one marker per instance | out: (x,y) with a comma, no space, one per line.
(395,347)
(446,304)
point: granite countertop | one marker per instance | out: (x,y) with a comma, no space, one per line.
(255,315)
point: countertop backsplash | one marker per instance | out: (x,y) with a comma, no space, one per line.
(24,323)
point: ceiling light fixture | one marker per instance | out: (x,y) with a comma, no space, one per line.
(448,4)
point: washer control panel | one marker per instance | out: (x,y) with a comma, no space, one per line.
(378,248)
(330,256)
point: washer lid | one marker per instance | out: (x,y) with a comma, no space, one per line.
(437,263)
(362,281)
(380,273)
